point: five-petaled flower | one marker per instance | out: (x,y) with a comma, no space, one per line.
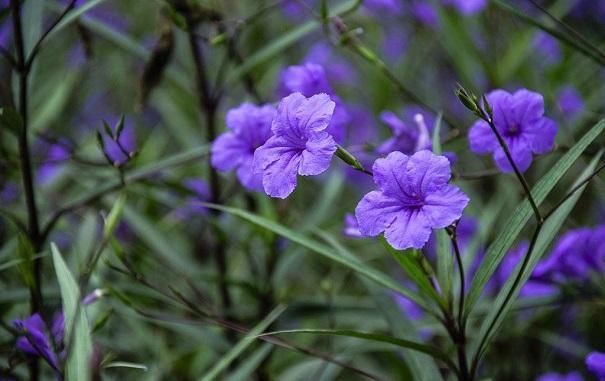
(249,128)
(414,197)
(519,118)
(300,144)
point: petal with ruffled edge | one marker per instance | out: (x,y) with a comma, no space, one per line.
(527,106)
(279,177)
(389,173)
(540,135)
(376,212)
(521,155)
(228,151)
(410,229)
(481,138)
(444,206)
(318,154)
(426,172)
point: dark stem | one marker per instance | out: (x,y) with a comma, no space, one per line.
(208,105)
(518,173)
(461,320)
(25,158)
(509,295)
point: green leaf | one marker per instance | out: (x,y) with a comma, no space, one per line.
(73,16)
(111,222)
(246,369)
(500,307)
(243,344)
(523,212)
(437,134)
(286,40)
(377,337)
(125,364)
(445,263)
(10,119)
(77,332)
(353,264)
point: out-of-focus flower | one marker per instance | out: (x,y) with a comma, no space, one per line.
(467,7)
(56,156)
(595,362)
(551,376)
(548,48)
(411,133)
(35,339)
(519,118)
(424,12)
(249,128)
(337,69)
(414,197)
(121,151)
(570,101)
(300,144)
(351,228)
(381,6)
(411,309)
(310,79)
(199,192)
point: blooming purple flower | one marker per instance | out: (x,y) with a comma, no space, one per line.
(310,79)
(249,128)
(570,101)
(551,376)
(519,118)
(410,134)
(300,144)
(35,339)
(595,362)
(414,197)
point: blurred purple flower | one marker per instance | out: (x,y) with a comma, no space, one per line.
(127,141)
(548,47)
(300,144)
(551,376)
(519,118)
(570,101)
(249,128)
(414,197)
(351,228)
(35,339)
(381,6)
(410,134)
(395,42)
(467,7)
(310,79)
(10,192)
(595,362)
(337,69)
(411,309)
(424,12)
(56,156)
(199,192)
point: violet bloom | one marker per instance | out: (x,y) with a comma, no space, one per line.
(467,7)
(310,79)
(337,69)
(548,47)
(300,144)
(199,192)
(249,128)
(414,197)
(551,376)
(425,13)
(351,227)
(519,118)
(570,101)
(411,133)
(35,339)
(595,362)
(57,155)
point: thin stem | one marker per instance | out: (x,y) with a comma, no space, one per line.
(25,157)
(573,191)
(454,239)
(509,295)
(208,104)
(518,173)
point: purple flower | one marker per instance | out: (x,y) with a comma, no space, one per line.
(425,13)
(351,228)
(412,310)
(35,339)
(519,118)
(337,69)
(414,197)
(249,128)
(551,376)
(300,144)
(410,134)
(595,362)
(56,155)
(467,7)
(310,79)
(570,101)
(548,47)
(121,153)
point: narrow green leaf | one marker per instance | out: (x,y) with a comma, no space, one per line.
(545,239)
(437,134)
(111,222)
(353,264)
(77,332)
(74,15)
(445,263)
(523,212)
(377,337)
(246,369)
(243,344)
(125,364)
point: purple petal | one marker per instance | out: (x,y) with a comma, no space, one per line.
(388,173)
(375,212)
(427,171)
(247,177)
(318,154)
(444,206)
(481,138)
(527,106)
(520,154)
(228,151)
(595,362)
(541,135)
(410,229)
